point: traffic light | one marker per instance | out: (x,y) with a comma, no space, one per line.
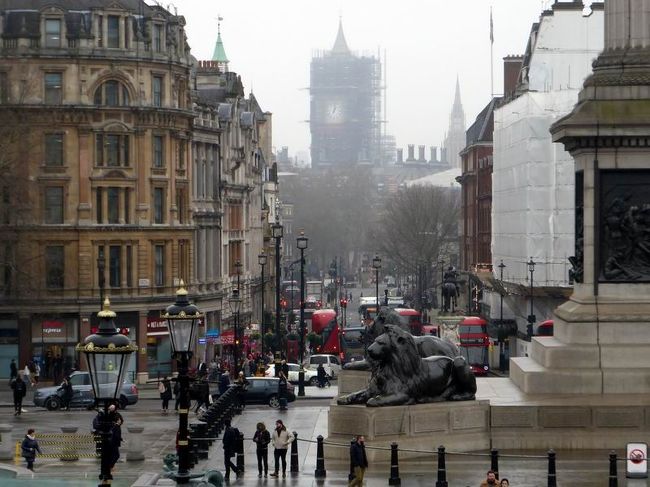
(343,303)
(332,270)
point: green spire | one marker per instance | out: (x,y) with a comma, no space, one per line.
(219,54)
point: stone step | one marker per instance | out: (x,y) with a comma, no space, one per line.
(552,353)
(534,378)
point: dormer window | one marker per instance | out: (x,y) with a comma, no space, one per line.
(52,33)
(112,93)
(157,38)
(113,32)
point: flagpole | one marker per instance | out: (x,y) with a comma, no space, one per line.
(491,55)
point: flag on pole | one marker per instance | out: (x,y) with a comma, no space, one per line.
(491,28)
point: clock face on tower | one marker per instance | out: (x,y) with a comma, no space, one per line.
(334,112)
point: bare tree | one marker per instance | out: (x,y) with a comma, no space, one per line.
(418,224)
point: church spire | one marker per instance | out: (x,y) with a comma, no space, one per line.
(340,45)
(457,102)
(219,54)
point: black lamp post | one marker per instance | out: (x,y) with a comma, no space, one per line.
(276,231)
(301,243)
(261,260)
(234,301)
(502,358)
(182,320)
(107,354)
(237,338)
(441,264)
(101,275)
(376,264)
(531,316)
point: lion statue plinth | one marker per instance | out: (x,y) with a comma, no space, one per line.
(399,375)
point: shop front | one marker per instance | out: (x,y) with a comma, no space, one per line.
(159,350)
(8,343)
(53,342)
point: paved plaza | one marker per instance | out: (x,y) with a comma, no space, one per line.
(307,417)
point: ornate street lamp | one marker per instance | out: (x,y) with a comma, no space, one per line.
(301,243)
(107,354)
(183,320)
(376,264)
(502,358)
(277,231)
(234,302)
(531,316)
(261,260)
(238,266)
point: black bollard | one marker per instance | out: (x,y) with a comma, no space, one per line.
(442,470)
(240,452)
(552,481)
(494,463)
(613,472)
(394,466)
(320,473)
(294,454)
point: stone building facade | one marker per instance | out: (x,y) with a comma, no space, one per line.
(101,140)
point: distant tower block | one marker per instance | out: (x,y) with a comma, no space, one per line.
(434,154)
(400,156)
(411,156)
(421,151)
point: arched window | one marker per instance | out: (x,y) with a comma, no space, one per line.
(112,93)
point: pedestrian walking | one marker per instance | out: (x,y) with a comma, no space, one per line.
(37,372)
(20,390)
(358,461)
(165,390)
(177,394)
(321,375)
(115,441)
(504,483)
(242,385)
(224,381)
(282,390)
(29,447)
(262,438)
(281,440)
(13,369)
(230,438)
(66,393)
(27,375)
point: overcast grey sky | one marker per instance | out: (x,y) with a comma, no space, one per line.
(428,42)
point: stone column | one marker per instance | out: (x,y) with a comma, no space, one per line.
(143,373)
(627,24)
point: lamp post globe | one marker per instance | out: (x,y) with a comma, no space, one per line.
(302,243)
(183,319)
(107,354)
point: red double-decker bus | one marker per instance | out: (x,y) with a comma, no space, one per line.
(474,344)
(325,324)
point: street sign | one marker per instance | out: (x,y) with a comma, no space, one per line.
(202,341)
(637,461)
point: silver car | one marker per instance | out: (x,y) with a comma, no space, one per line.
(82,396)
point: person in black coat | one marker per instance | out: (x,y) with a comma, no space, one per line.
(358,461)
(262,438)
(66,393)
(20,390)
(224,381)
(29,447)
(115,440)
(230,438)
(13,369)
(321,375)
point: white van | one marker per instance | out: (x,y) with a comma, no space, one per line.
(331,363)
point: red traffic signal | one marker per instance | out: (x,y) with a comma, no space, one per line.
(344,303)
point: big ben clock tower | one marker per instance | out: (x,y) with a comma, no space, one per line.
(345,107)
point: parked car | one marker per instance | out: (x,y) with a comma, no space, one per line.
(331,363)
(311,376)
(82,396)
(264,390)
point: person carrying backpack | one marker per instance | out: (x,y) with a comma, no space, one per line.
(230,438)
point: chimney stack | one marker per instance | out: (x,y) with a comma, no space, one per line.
(400,156)
(434,153)
(421,150)
(511,69)
(411,156)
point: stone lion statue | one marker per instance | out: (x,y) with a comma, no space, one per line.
(426,345)
(399,375)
